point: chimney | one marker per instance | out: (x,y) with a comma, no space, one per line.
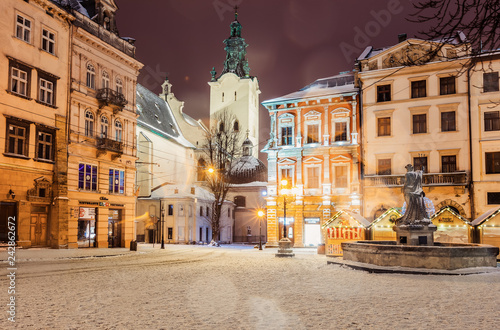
(401,37)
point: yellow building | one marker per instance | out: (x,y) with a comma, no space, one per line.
(34,59)
(102,124)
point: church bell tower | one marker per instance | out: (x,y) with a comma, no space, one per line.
(235,89)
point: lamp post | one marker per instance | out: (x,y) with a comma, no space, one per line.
(284,245)
(162,226)
(260,213)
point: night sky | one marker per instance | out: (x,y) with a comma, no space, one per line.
(291,42)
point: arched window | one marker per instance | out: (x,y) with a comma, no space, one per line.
(119,86)
(118,130)
(221,126)
(236,126)
(105,80)
(90,76)
(89,123)
(104,127)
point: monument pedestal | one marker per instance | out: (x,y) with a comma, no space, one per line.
(415,234)
(285,248)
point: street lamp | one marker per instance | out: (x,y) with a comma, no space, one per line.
(162,226)
(260,214)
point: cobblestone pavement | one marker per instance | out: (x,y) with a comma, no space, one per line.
(200,287)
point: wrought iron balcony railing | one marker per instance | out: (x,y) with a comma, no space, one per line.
(107,96)
(429,179)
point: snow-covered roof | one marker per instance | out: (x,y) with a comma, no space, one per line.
(338,84)
(155,114)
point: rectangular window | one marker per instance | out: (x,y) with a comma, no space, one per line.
(116,181)
(448,164)
(312,177)
(170,209)
(17,138)
(286,174)
(384,126)
(490,82)
(492,121)
(87,177)
(287,136)
(420,164)
(19,81)
(448,123)
(44,143)
(341,176)
(492,162)
(493,198)
(46,91)
(384,167)
(313,133)
(23,29)
(418,89)
(447,85)
(48,41)
(340,131)
(383,93)
(420,123)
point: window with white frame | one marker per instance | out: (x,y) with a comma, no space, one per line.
(19,81)
(48,41)
(104,126)
(46,91)
(119,86)
(90,76)
(286,129)
(312,181)
(87,177)
(341,176)
(118,130)
(312,132)
(116,181)
(105,80)
(89,123)
(23,28)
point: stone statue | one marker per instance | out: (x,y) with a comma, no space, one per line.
(416,213)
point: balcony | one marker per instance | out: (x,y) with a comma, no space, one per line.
(107,96)
(429,179)
(104,145)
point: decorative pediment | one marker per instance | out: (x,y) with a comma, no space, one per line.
(313,160)
(287,161)
(312,113)
(41,191)
(340,158)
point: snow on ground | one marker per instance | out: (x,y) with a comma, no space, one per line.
(200,287)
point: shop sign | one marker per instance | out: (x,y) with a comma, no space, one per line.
(87,213)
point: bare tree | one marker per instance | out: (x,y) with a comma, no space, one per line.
(476,20)
(221,150)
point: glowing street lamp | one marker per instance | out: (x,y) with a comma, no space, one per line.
(260,214)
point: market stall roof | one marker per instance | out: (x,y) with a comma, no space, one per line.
(356,217)
(383,215)
(488,215)
(449,209)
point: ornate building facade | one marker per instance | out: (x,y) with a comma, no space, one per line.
(102,125)
(34,60)
(314,145)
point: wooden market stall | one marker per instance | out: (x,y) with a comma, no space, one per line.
(381,228)
(343,226)
(487,227)
(451,227)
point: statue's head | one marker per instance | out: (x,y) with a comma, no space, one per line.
(409,167)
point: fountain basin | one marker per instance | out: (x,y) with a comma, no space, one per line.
(439,256)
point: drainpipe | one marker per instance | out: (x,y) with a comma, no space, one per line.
(471,179)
